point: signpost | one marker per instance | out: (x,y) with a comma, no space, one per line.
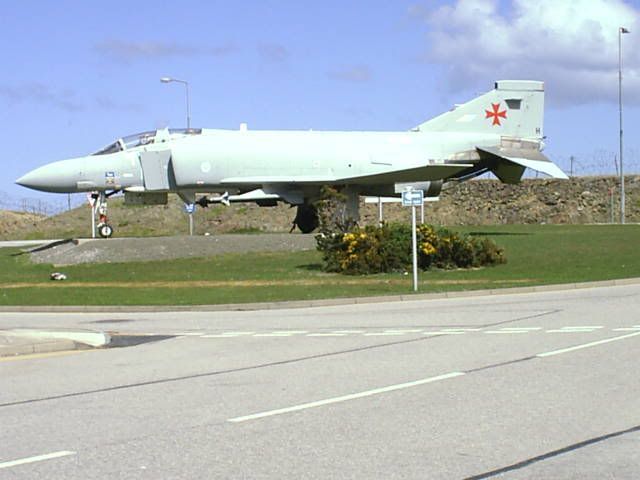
(189,208)
(91,198)
(413,198)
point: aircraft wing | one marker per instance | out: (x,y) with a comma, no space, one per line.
(283,179)
(425,172)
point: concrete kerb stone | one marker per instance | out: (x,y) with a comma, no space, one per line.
(319,302)
(28,341)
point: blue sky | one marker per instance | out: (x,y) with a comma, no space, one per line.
(78,74)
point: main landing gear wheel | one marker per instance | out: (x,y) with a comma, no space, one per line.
(105,230)
(306,218)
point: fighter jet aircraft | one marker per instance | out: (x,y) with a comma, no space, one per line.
(499,132)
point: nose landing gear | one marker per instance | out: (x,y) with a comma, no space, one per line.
(100,207)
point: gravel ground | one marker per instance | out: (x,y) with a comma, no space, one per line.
(115,250)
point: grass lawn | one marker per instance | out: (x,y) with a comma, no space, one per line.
(536,254)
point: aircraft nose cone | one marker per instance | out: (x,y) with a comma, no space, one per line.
(58,177)
(35,179)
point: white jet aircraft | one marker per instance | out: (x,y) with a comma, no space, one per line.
(499,132)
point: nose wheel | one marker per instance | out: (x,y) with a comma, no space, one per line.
(105,230)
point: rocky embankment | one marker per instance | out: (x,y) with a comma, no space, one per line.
(579,200)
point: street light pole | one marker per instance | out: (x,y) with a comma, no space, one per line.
(621,30)
(186,86)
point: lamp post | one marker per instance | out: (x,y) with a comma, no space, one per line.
(621,30)
(186,86)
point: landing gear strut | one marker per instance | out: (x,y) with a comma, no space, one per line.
(306,218)
(100,207)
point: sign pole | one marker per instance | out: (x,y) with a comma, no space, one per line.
(189,208)
(380,211)
(413,198)
(414,248)
(93,221)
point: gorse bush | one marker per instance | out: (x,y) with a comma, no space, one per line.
(388,249)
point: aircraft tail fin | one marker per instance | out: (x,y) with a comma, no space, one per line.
(514,108)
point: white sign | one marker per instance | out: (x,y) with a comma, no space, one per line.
(412,198)
(189,207)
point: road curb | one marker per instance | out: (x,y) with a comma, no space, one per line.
(25,341)
(315,303)
(55,345)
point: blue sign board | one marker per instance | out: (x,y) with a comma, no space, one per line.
(412,198)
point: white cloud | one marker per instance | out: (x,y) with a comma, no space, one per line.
(570,44)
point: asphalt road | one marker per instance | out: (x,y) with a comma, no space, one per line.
(541,385)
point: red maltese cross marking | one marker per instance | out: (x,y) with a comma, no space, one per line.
(496,114)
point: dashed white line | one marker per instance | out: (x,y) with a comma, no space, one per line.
(586,345)
(506,331)
(574,330)
(404,330)
(326,334)
(443,333)
(347,332)
(382,334)
(37,458)
(344,398)
(526,329)
(273,334)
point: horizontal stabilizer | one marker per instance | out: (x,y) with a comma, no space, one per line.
(525,157)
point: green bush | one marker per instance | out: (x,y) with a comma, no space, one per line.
(388,249)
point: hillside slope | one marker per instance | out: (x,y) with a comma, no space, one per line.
(482,202)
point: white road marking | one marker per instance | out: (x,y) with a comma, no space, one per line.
(274,334)
(506,331)
(347,332)
(443,333)
(586,345)
(528,329)
(326,335)
(344,398)
(404,330)
(382,334)
(37,458)
(626,329)
(461,329)
(577,329)
(292,332)
(227,335)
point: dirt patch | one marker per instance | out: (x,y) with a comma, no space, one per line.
(117,250)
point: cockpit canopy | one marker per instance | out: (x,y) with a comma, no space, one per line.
(144,138)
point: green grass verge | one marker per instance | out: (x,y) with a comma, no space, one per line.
(536,255)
